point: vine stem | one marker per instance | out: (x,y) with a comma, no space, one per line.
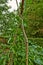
(23,29)
(26,41)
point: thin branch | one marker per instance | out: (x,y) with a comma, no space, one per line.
(17,3)
(22,6)
(24,33)
(23,29)
(26,41)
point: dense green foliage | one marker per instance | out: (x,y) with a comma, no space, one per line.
(33,15)
(13,52)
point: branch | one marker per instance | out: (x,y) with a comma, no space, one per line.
(17,3)
(23,29)
(26,41)
(24,33)
(22,6)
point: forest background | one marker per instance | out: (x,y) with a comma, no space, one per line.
(12,41)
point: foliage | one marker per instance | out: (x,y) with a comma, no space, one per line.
(18,51)
(33,15)
(13,52)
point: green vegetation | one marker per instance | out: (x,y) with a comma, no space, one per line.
(16,52)
(12,42)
